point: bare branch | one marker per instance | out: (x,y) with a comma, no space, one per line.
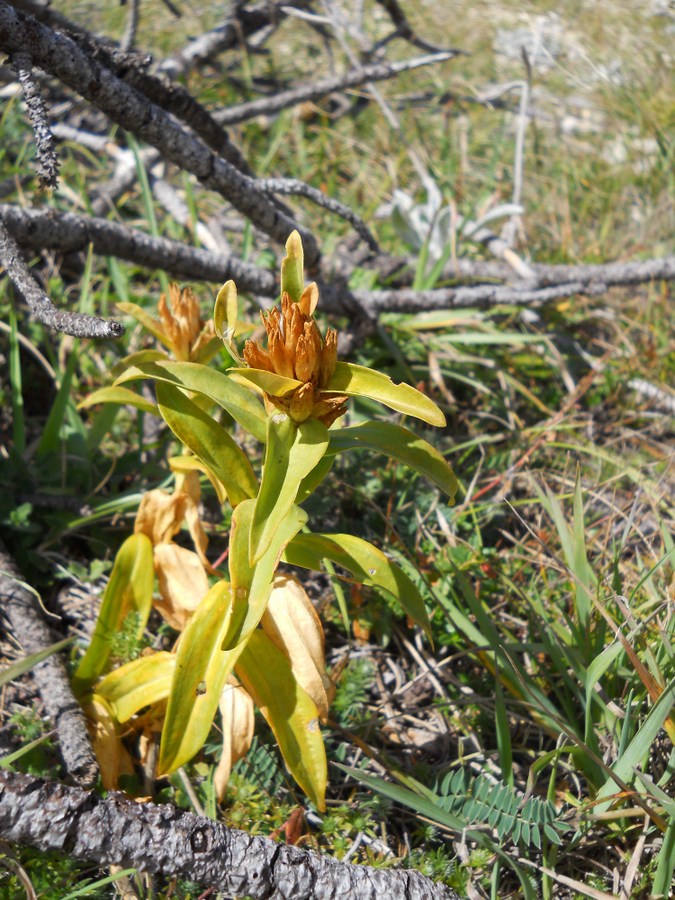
(614,274)
(482,296)
(154,839)
(62,58)
(47,162)
(41,307)
(302,189)
(316,89)
(21,608)
(239,25)
(67,233)
(129,36)
(405,31)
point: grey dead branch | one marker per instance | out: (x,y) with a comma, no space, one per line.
(163,839)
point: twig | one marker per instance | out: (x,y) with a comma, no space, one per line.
(61,57)
(20,606)
(129,36)
(611,274)
(404,29)
(300,188)
(154,839)
(68,232)
(41,307)
(482,296)
(661,398)
(317,89)
(241,24)
(47,162)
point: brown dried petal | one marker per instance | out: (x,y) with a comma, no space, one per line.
(256,357)
(328,358)
(282,360)
(305,360)
(293,327)
(328,409)
(302,403)
(309,299)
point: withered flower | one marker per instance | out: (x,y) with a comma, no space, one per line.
(295,349)
(184,330)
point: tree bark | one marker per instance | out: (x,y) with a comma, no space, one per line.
(29,628)
(162,839)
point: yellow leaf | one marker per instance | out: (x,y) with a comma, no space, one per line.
(359,381)
(129,590)
(121,396)
(251,584)
(291,453)
(184,464)
(136,684)
(209,441)
(202,668)
(293,268)
(398,443)
(277,385)
(366,563)
(225,315)
(265,672)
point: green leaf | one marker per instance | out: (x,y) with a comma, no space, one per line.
(128,590)
(122,396)
(51,433)
(17,669)
(154,326)
(368,565)
(138,683)
(201,670)
(292,452)
(638,749)
(209,441)
(251,584)
(225,315)
(265,672)
(277,385)
(237,400)
(358,381)
(398,443)
(309,484)
(292,268)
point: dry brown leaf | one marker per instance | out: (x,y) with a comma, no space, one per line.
(112,756)
(291,622)
(182,583)
(160,515)
(237,712)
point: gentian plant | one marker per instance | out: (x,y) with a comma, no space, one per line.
(254,636)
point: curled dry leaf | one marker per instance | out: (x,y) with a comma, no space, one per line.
(182,583)
(237,712)
(112,756)
(291,622)
(181,573)
(160,515)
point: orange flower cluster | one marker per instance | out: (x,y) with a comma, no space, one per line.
(295,349)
